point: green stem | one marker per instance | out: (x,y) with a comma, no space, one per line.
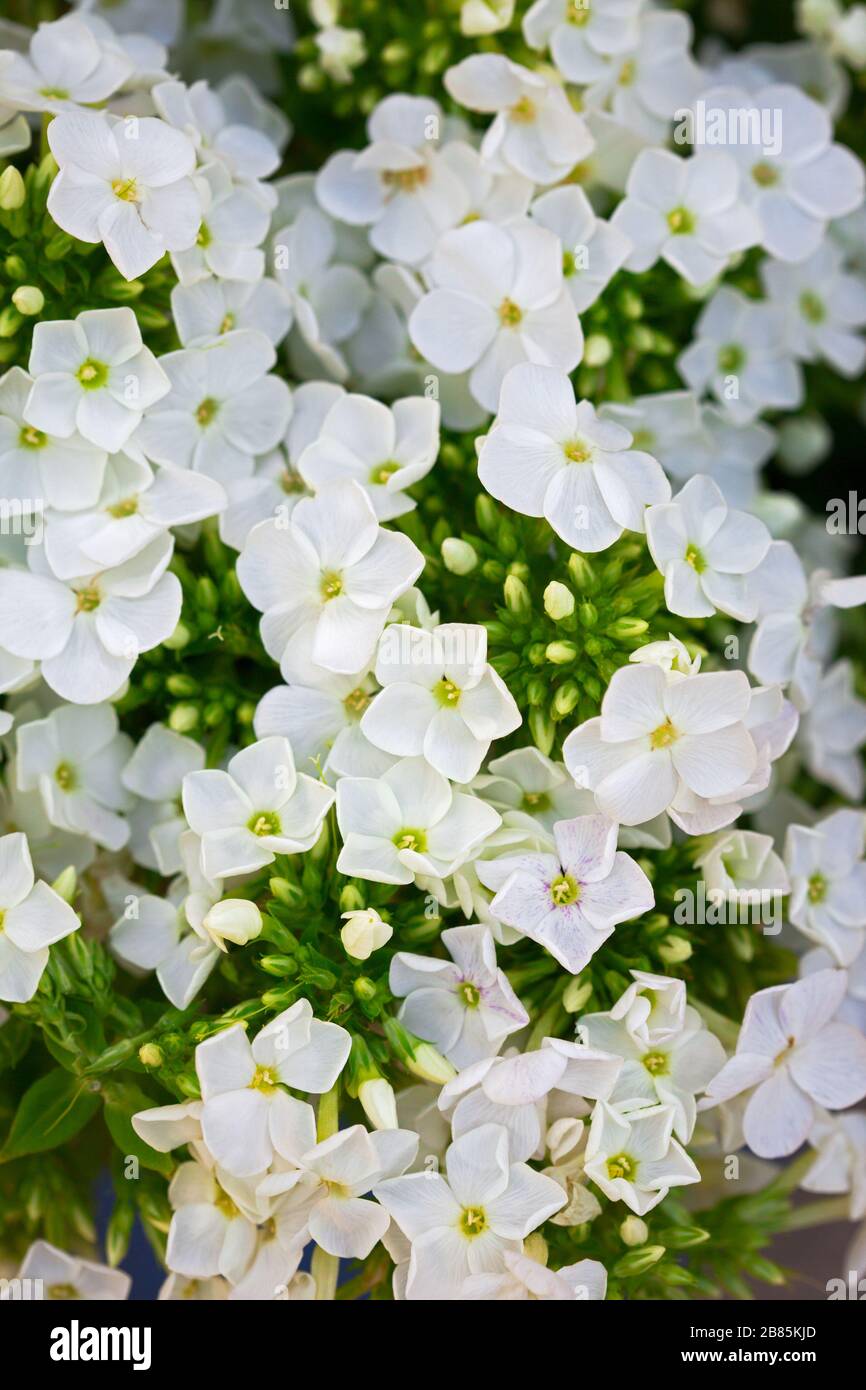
(817,1214)
(325,1268)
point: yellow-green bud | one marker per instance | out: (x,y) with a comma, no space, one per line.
(149,1055)
(28,299)
(576,994)
(458,556)
(352,899)
(634,1231)
(597,350)
(12,190)
(560,653)
(379,1103)
(517,598)
(10,321)
(183,718)
(535,1248)
(674,950)
(179,638)
(558,601)
(430,1065)
(66,884)
(627,627)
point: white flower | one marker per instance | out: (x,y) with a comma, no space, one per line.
(485,16)
(706,552)
(793,1057)
(536,132)
(213,1228)
(155,773)
(593,250)
(646,83)
(740,354)
(462,1223)
(342,50)
(328,297)
(153,933)
(364,933)
(66,64)
(840,1161)
(440,699)
(66,472)
(524,1278)
(228,243)
(32,918)
(634,1158)
(68,1276)
(222,409)
(685,211)
(797,189)
(582,34)
(792,639)
(657,736)
(466,1007)
(398,185)
(259,808)
(531,791)
(498,298)
(135,508)
(92,375)
(823,308)
(222,125)
(384,450)
(828,882)
(833,730)
(320,715)
(547,455)
(325,580)
(571,901)
(743,867)
(74,759)
(88,632)
(211,308)
(247,1114)
(669,1072)
(126,184)
(408,822)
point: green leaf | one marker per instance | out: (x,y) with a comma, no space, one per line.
(123,1100)
(53,1110)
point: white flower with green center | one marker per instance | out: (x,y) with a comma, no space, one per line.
(32,918)
(320,714)
(571,901)
(155,774)
(497,298)
(248,1114)
(797,182)
(582,34)
(326,579)
(687,212)
(466,1005)
(828,882)
(228,243)
(531,791)
(671,1071)
(440,698)
(662,739)
(739,353)
(552,456)
(643,85)
(462,1223)
(592,250)
(125,184)
(89,631)
(525,1278)
(69,1277)
(66,472)
(794,1058)
(706,552)
(213,1226)
(824,308)
(73,759)
(633,1157)
(408,822)
(326,295)
(92,376)
(384,449)
(68,64)
(223,408)
(535,131)
(833,731)
(211,308)
(742,867)
(258,808)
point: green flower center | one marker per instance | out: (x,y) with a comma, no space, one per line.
(510,313)
(473,1222)
(535,801)
(577,451)
(206,411)
(331,585)
(664,735)
(31,438)
(62,1291)
(577,12)
(227,324)
(470,994)
(64,776)
(621,1166)
(523,111)
(731,358)
(447,693)
(224,1204)
(264,1079)
(627,73)
(812,308)
(411,839)
(569,265)
(695,558)
(125,190)
(764,174)
(203,236)
(564,890)
(92,375)
(128,507)
(87,600)
(383,471)
(681,222)
(264,823)
(817,890)
(54,94)
(656,1063)
(356,702)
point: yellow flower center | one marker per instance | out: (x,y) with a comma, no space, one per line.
(523,111)
(64,776)
(510,313)
(447,693)
(656,1063)
(125,190)
(406,180)
(32,438)
(128,507)
(470,994)
(695,559)
(621,1166)
(681,221)
(473,1222)
(92,375)
(564,890)
(764,174)
(264,1079)
(411,839)
(383,471)
(331,585)
(577,451)
(88,599)
(264,823)
(817,890)
(664,735)
(356,702)
(206,411)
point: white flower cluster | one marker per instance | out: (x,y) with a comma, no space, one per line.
(437,277)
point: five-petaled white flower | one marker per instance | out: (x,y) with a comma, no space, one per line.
(32,918)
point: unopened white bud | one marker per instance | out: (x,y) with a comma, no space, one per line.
(28,299)
(430,1065)
(234,919)
(558,601)
(458,556)
(379,1103)
(634,1231)
(364,933)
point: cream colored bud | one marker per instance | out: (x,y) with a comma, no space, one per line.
(379,1103)
(458,556)
(12,190)
(576,993)
(535,1248)
(558,601)
(28,299)
(634,1231)
(66,884)
(674,950)
(597,350)
(430,1065)
(364,933)
(234,919)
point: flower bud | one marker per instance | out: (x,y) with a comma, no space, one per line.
(352,899)
(638,1261)
(379,1103)
(429,1064)
(576,995)
(179,638)
(458,556)
(364,933)
(597,350)
(674,950)
(626,628)
(234,919)
(28,299)
(558,601)
(66,884)
(634,1231)
(560,653)
(12,190)
(149,1055)
(183,718)
(535,1248)
(517,599)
